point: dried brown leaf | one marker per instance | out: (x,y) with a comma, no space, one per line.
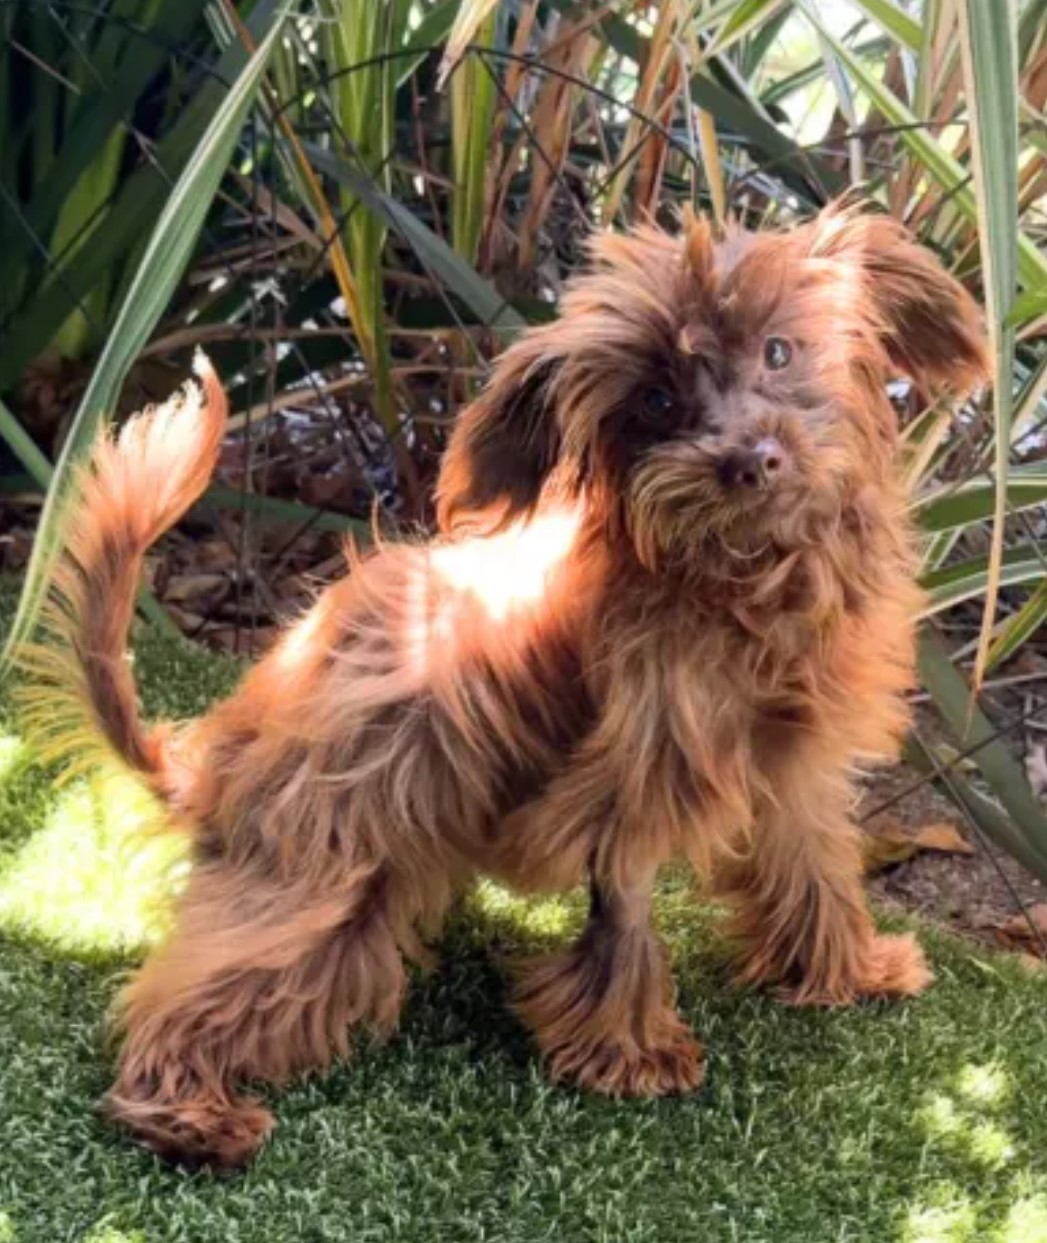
(1017,927)
(943,837)
(892,842)
(201,588)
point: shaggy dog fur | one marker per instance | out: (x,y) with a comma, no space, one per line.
(671,606)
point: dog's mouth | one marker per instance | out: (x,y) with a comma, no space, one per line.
(743,495)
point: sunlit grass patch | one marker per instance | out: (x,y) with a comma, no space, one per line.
(13,752)
(955,1218)
(1026,1221)
(990,1144)
(954,1221)
(90,878)
(948,1121)
(105,1232)
(987,1085)
(532,917)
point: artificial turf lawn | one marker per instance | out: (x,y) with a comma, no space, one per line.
(917,1122)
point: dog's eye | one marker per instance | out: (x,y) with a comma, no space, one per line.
(658,404)
(777,353)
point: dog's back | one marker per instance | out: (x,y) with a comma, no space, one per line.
(417,702)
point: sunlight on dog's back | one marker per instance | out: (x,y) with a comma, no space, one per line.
(486,594)
(437,604)
(509,572)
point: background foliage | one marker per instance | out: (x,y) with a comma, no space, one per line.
(353,204)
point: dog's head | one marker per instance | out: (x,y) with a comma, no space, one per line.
(733,388)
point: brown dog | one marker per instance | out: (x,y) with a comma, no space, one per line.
(672,606)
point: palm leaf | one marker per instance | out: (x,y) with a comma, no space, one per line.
(966,580)
(950,508)
(939,163)
(167,253)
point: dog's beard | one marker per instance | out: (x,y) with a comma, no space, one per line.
(682,516)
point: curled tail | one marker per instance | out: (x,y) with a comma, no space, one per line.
(79,701)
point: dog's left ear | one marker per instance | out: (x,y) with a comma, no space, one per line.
(931,326)
(507,442)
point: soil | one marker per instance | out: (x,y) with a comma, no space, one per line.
(980,895)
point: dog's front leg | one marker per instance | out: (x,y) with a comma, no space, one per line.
(602,1010)
(800,915)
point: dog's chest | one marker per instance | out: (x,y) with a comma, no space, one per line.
(715,682)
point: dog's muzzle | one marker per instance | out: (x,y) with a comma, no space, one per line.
(752,467)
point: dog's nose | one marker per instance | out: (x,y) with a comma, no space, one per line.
(752,467)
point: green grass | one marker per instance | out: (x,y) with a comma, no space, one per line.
(919,1122)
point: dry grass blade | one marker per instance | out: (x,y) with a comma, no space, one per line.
(548,132)
(470,17)
(659,87)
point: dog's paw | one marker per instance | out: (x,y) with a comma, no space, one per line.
(889,967)
(672,1064)
(896,967)
(600,1015)
(224,1136)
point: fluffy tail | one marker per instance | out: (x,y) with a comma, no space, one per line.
(79,701)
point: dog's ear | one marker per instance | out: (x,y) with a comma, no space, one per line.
(930,325)
(507,442)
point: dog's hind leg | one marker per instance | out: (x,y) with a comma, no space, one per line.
(602,1011)
(258,981)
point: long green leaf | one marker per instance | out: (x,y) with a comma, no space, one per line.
(761,41)
(921,443)
(966,580)
(429,33)
(24,447)
(167,253)
(471,16)
(952,695)
(745,18)
(458,276)
(951,508)
(359,36)
(1027,307)
(1020,626)
(472,117)
(1027,403)
(782,88)
(894,20)
(290,513)
(988,43)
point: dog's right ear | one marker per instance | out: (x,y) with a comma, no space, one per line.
(507,442)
